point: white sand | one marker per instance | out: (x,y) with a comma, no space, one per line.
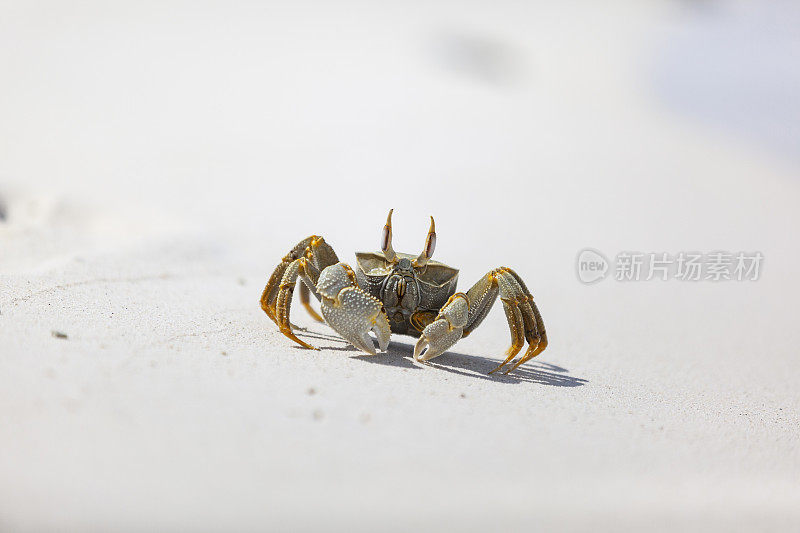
(157,161)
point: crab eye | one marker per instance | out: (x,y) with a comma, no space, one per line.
(387,234)
(430,246)
(386,241)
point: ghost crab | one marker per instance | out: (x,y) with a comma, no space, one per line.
(400,293)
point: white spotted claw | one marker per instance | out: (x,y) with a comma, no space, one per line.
(445,331)
(350,311)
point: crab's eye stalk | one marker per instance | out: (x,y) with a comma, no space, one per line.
(386,242)
(430,246)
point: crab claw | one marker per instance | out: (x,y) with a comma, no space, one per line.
(437,337)
(445,331)
(351,312)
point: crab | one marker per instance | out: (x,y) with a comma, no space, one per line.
(392,292)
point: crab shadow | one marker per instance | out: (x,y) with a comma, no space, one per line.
(401,355)
(341,346)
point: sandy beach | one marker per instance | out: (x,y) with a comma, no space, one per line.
(158,160)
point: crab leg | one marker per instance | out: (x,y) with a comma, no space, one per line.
(535,333)
(306,260)
(306,302)
(301,267)
(464,312)
(524,319)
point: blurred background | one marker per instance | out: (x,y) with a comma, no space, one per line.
(177,140)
